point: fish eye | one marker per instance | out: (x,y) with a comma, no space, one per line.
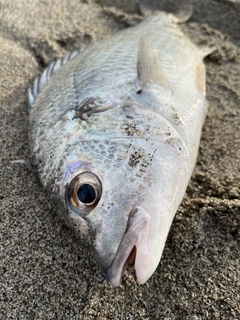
(84,192)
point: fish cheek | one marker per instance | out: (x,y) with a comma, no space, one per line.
(108,221)
(79,225)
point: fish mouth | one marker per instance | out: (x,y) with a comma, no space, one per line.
(134,245)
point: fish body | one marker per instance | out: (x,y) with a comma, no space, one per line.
(114,134)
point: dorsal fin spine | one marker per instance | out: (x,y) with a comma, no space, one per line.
(41,80)
(149,68)
(35,87)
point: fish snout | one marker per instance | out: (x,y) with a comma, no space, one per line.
(134,245)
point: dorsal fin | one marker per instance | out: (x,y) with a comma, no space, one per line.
(41,80)
(206,51)
(179,11)
(149,68)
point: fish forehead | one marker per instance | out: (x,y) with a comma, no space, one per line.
(112,139)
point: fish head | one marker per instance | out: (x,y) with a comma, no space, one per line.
(124,202)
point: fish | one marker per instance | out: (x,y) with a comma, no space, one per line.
(114,133)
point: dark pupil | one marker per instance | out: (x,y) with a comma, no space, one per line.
(86,193)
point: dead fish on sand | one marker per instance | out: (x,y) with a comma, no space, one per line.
(114,135)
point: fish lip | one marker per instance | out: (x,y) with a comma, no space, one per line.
(137,226)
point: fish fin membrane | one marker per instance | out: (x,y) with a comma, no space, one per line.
(180,11)
(149,68)
(183,14)
(206,51)
(41,80)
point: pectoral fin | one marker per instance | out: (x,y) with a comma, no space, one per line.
(149,68)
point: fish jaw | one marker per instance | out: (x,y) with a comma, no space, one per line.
(135,236)
(145,239)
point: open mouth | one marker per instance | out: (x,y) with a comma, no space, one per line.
(134,245)
(130,259)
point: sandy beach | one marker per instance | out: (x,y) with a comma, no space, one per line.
(45,272)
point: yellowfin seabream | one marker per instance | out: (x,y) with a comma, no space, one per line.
(114,135)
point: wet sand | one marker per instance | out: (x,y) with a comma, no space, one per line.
(45,272)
